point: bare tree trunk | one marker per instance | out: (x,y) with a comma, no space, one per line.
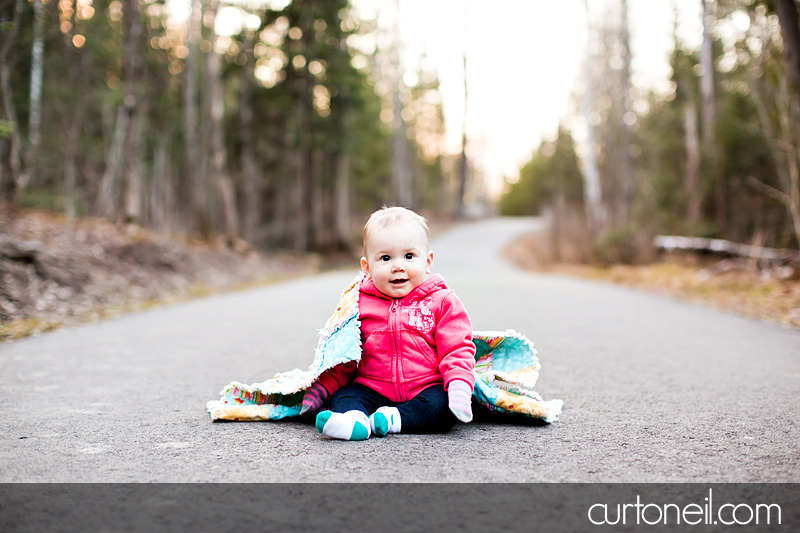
(463,168)
(784,156)
(401,171)
(131,175)
(106,201)
(193,175)
(709,127)
(626,178)
(250,179)
(791,145)
(558,218)
(707,80)
(160,190)
(790,30)
(133,196)
(119,176)
(695,198)
(304,165)
(283,199)
(302,191)
(252,199)
(686,93)
(607,83)
(72,136)
(218,152)
(343,198)
(593,196)
(28,175)
(9,110)
(319,236)
(71,122)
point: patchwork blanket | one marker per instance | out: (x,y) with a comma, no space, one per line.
(506,370)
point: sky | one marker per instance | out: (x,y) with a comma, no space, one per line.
(523,63)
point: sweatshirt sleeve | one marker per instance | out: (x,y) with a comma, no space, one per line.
(454,342)
(338,376)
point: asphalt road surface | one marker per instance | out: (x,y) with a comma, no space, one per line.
(654,390)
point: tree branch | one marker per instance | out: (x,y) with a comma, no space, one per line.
(769,190)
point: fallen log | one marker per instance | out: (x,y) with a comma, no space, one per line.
(721,246)
(18,250)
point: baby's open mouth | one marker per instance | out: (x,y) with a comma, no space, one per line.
(397,281)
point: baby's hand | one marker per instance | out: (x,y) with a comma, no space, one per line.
(459,399)
(313,399)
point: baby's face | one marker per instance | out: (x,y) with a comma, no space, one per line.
(398,259)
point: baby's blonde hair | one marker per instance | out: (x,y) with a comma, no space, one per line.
(391,216)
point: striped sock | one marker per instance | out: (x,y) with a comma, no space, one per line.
(385,420)
(352,425)
(313,398)
(459,399)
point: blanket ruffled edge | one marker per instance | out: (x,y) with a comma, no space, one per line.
(506,371)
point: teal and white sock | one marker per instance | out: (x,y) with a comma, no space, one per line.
(385,420)
(352,425)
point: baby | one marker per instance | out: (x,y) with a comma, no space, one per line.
(416,368)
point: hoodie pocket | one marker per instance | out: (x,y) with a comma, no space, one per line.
(376,356)
(419,358)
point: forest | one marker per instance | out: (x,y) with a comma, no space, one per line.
(287,129)
(718,156)
(277,134)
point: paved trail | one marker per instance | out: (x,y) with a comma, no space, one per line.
(654,389)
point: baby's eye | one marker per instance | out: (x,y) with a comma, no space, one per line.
(409,256)
(385,258)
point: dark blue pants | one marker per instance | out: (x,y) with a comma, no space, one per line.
(427,412)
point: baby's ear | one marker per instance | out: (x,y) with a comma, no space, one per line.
(364,266)
(429,262)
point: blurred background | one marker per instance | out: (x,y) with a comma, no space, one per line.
(284,123)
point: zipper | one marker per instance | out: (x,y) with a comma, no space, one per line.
(396,366)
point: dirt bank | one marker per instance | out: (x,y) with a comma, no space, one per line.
(52,275)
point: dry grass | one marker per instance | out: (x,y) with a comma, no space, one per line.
(743,290)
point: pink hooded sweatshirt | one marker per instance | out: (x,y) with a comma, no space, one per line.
(410,343)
